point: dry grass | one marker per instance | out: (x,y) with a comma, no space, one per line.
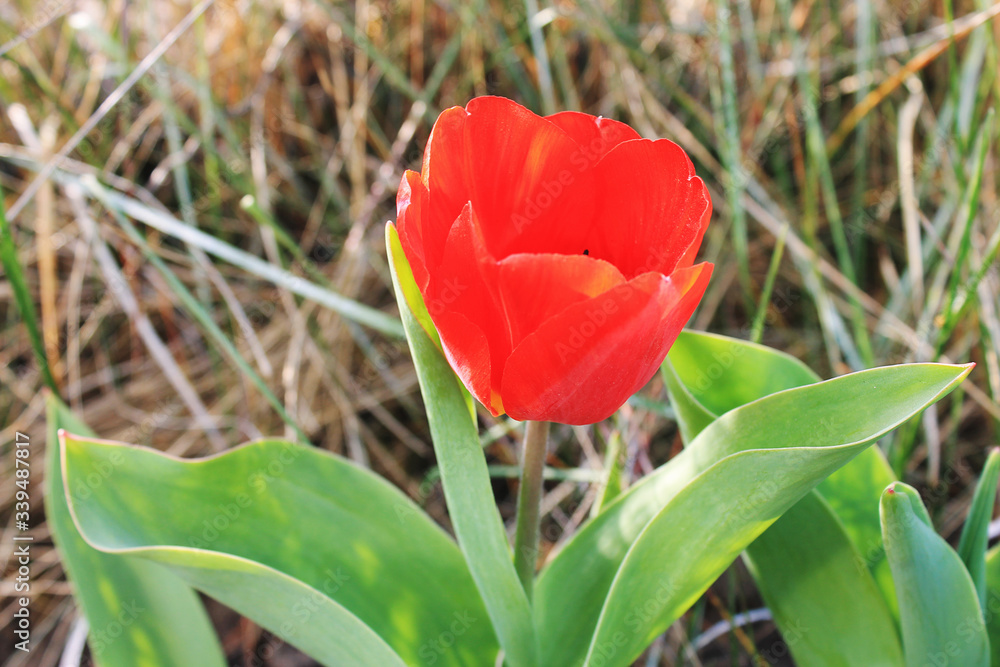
(856,127)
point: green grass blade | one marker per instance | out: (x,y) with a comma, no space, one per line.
(975,533)
(349,308)
(757,328)
(22,297)
(205,319)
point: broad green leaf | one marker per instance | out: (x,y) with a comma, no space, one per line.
(806,565)
(830,611)
(991,610)
(464,476)
(731,503)
(641,563)
(853,494)
(939,610)
(140,613)
(325,554)
(972,545)
(725,373)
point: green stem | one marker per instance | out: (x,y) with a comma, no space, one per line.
(529,499)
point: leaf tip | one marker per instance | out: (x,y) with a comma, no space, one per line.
(893,491)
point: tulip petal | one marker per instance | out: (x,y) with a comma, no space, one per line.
(595,135)
(692,251)
(411,209)
(533,288)
(519,171)
(467,350)
(583,364)
(443,175)
(651,208)
(462,300)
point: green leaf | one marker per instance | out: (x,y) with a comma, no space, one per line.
(853,494)
(464,476)
(829,610)
(972,545)
(916,504)
(941,619)
(692,416)
(326,555)
(139,612)
(823,583)
(719,373)
(22,296)
(991,610)
(642,562)
(722,373)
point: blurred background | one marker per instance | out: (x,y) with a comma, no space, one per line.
(850,149)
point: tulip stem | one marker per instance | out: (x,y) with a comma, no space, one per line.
(529,499)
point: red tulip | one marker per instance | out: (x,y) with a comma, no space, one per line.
(554,255)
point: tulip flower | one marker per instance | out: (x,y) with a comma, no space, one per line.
(554,254)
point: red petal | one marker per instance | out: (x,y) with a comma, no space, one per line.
(595,135)
(519,168)
(443,174)
(462,300)
(411,207)
(651,208)
(583,364)
(534,288)
(467,350)
(692,251)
